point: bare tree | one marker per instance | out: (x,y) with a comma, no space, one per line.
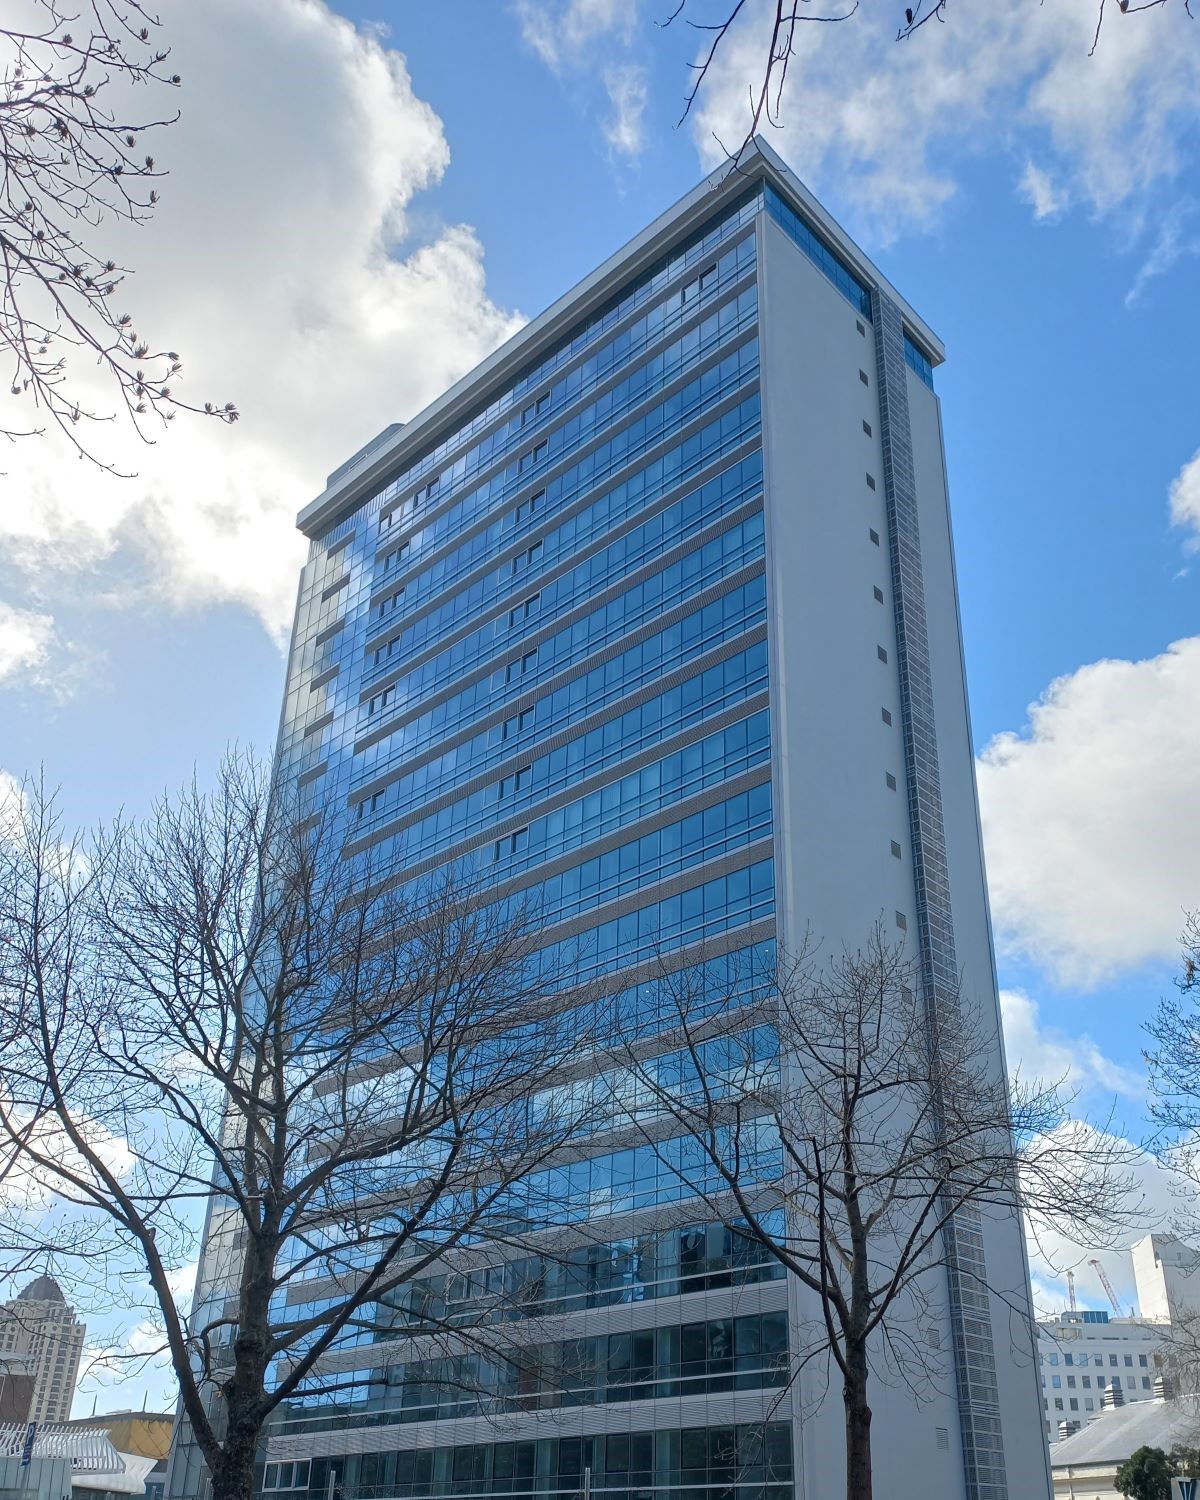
(1173,1061)
(788,19)
(214,1020)
(1174,1064)
(847,1131)
(75,159)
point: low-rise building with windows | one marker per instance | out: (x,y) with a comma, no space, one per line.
(1085,1356)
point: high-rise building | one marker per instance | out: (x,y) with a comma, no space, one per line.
(654,614)
(39,1327)
(1166,1272)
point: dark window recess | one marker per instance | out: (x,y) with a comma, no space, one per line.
(539,406)
(527,558)
(521,612)
(535,455)
(867,428)
(901,921)
(870,481)
(860,328)
(862,375)
(371,804)
(878,594)
(895,849)
(891,781)
(517,669)
(511,785)
(874,536)
(881,653)
(887,716)
(511,843)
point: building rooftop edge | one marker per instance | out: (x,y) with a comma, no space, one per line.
(352,481)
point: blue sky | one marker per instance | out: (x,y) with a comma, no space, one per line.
(350,227)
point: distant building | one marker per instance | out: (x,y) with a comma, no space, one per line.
(38,1326)
(1167,1274)
(1086,1355)
(146,1433)
(1085,1464)
(57,1462)
(138,1435)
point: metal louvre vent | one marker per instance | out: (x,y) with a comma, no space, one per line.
(970,1312)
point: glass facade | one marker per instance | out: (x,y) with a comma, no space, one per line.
(538,654)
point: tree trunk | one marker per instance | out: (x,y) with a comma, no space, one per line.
(233,1473)
(858,1427)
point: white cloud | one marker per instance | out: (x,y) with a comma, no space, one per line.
(1173,244)
(1184,501)
(884,125)
(1152,1199)
(25,638)
(1045,196)
(562,35)
(626,85)
(280,265)
(30,1192)
(588,39)
(1042,1052)
(1092,817)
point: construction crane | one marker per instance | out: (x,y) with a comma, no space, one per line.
(1107,1285)
(1071,1291)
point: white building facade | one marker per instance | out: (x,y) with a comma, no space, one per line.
(1083,1355)
(1167,1274)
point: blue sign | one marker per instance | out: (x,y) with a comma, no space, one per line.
(27,1450)
(1183,1489)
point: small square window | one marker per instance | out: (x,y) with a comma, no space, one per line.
(867,428)
(901,921)
(881,653)
(891,781)
(895,849)
(860,328)
(862,375)
(878,594)
(887,715)
(874,536)
(870,481)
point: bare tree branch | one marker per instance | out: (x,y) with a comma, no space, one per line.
(881,1128)
(73,160)
(216,1016)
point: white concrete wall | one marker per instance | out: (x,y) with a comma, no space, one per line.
(836,816)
